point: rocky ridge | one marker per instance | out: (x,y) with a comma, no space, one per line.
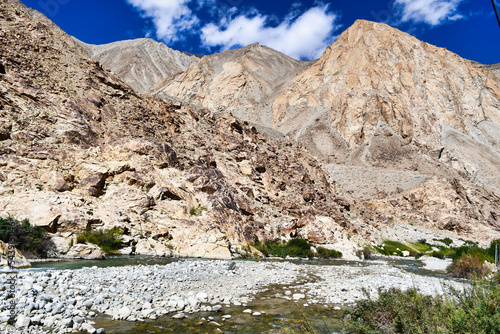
(141,63)
(242,81)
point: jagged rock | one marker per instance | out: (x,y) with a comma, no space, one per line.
(85,251)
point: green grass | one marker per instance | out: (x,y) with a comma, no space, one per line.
(31,240)
(420,248)
(394,248)
(295,248)
(108,240)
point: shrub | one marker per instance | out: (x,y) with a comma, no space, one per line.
(295,248)
(468,266)
(197,211)
(30,240)
(396,311)
(107,240)
(473,310)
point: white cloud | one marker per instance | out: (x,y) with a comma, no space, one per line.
(300,36)
(432,12)
(170,17)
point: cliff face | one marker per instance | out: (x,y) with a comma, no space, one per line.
(79,148)
(141,63)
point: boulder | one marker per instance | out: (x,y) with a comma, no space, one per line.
(206,250)
(85,251)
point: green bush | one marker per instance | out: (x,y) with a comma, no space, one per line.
(108,240)
(30,240)
(474,310)
(295,248)
(396,311)
(468,266)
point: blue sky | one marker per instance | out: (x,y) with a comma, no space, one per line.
(302,29)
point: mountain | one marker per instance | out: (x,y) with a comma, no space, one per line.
(400,124)
(80,149)
(243,81)
(141,63)
(367,143)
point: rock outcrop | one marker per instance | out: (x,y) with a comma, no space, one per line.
(391,117)
(141,63)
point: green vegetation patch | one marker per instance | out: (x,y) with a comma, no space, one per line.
(31,240)
(394,248)
(474,310)
(198,211)
(108,240)
(295,248)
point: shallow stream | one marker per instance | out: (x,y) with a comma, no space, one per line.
(276,311)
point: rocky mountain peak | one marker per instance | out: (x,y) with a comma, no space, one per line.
(242,81)
(141,62)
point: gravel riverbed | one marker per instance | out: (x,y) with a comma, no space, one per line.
(63,301)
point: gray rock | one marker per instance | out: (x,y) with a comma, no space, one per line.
(58,308)
(23,321)
(37,319)
(179,316)
(88,303)
(202,296)
(67,322)
(216,308)
(124,313)
(89,328)
(78,319)
(85,251)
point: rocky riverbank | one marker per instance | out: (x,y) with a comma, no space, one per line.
(67,300)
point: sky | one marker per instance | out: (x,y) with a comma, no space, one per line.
(301,29)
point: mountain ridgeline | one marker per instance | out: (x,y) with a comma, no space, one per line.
(200,157)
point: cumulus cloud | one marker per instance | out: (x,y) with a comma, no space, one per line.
(302,36)
(170,17)
(432,12)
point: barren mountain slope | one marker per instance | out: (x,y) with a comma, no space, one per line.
(242,81)
(79,149)
(409,128)
(142,62)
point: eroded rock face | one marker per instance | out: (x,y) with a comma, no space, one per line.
(386,113)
